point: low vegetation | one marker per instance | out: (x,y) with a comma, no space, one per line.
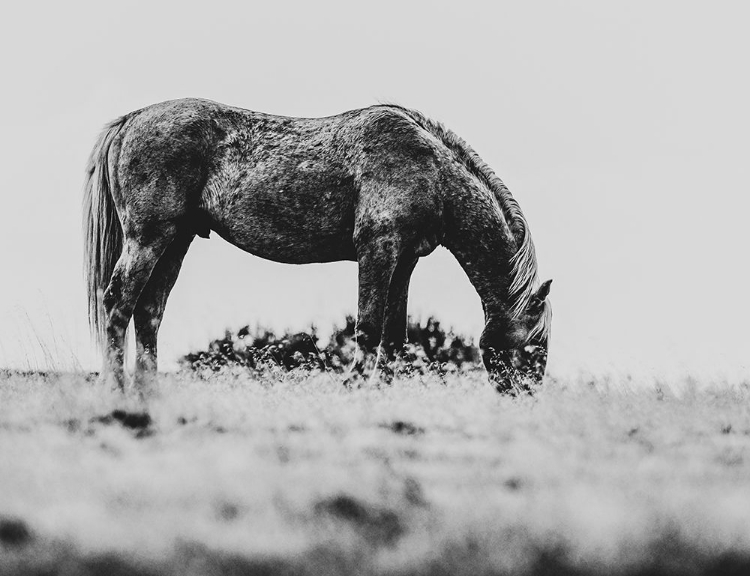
(429,348)
(289,472)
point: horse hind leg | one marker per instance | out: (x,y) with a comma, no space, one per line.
(149,309)
(132,271)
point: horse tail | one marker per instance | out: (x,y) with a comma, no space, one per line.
(102,232)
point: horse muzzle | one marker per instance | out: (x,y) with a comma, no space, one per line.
(516,370)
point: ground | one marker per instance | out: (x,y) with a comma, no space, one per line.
(292,473)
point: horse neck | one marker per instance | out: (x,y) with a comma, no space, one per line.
(478,235)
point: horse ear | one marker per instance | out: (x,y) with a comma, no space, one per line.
(536,305)
(543,291)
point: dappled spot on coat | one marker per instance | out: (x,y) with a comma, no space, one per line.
(405,428)
(14,532)
(375,524)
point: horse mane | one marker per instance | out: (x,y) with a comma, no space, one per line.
(524,278)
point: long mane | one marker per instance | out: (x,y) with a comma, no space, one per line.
(524,277)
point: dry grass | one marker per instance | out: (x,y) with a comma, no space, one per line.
(296,474)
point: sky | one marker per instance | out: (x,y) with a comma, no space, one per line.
(620,127)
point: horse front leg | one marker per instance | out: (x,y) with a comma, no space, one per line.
(395,323)
(377,263)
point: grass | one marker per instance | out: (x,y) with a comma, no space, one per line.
(295,474)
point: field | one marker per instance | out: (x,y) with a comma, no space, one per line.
(295,474)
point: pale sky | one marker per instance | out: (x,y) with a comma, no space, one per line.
(622,129)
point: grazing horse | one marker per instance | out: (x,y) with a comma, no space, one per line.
(382,186)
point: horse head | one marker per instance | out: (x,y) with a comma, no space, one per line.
(514,350)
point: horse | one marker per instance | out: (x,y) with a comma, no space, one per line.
(382,186)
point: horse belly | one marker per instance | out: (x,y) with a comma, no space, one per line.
(273,240)
(286,224)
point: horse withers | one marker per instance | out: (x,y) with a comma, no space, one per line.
(382,186)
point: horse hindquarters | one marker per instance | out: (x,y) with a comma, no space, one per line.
(158,162)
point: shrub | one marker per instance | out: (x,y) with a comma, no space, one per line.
(429,347)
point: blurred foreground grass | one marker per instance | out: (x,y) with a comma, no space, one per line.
(295,474)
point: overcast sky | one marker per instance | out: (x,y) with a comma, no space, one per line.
(621,128)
